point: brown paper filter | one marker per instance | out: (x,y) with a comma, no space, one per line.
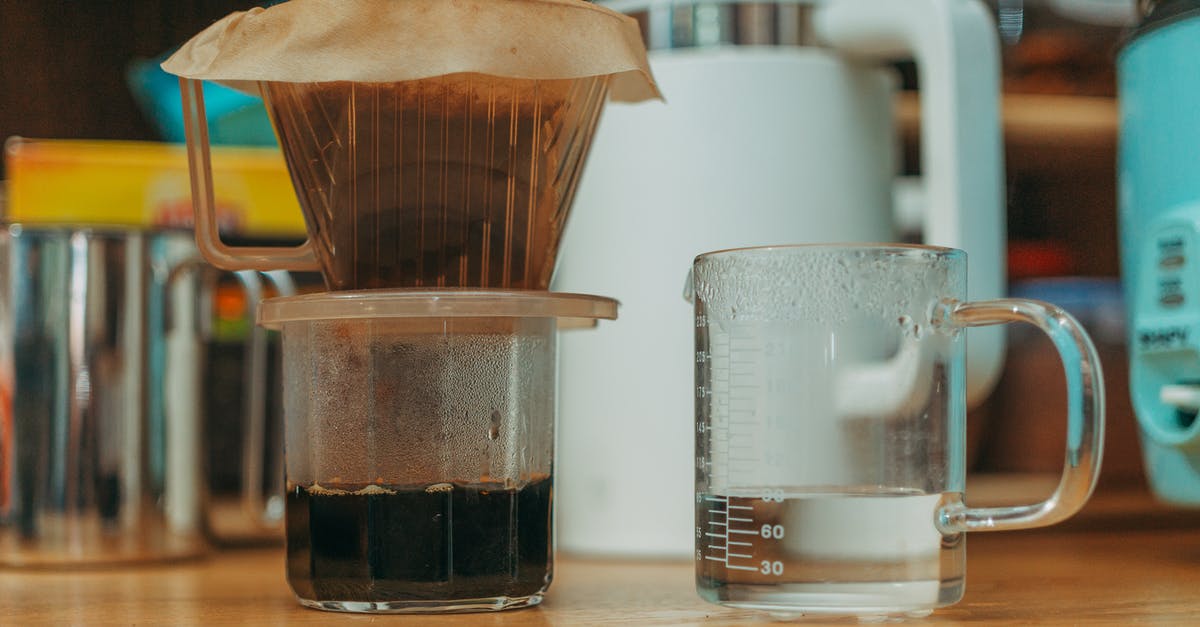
(402,40)
(432,143)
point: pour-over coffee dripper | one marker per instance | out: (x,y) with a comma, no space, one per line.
(426,411)
(451,181)
(419,411)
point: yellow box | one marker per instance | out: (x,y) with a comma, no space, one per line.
(145,184)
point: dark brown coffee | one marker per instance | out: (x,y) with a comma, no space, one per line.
(402,543)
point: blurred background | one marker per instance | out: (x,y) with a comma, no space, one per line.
(63,64)
(65,73)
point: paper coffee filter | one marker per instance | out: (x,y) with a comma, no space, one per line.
(401,40)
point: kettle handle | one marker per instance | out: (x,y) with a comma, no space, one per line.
(956,48)
(208,237)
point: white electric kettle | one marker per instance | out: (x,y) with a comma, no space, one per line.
(777,129)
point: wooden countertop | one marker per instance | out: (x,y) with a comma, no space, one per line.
(1126,561)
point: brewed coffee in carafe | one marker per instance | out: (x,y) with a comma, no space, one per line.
(460,180)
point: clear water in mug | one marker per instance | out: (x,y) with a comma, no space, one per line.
(838,552)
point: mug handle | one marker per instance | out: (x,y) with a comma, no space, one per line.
(208,236)
(181,391)
(265,511)
(1085,414)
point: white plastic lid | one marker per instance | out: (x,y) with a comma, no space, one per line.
(433,303)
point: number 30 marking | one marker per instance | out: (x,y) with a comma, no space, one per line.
(769,567)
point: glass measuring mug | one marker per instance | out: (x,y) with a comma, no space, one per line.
(830,423)
(419,428)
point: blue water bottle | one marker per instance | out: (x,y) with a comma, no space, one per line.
(1158,70)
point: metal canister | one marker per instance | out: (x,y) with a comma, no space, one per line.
(100,395)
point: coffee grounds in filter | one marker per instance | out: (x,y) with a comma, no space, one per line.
(452,181)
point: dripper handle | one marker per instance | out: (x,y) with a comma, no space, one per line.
(208,236)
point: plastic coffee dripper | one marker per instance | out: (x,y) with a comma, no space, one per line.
(431,144)
(462,180)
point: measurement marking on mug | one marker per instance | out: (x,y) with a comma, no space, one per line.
(731,506)
(740,543)
(732,519)
(731,566)
(717,499)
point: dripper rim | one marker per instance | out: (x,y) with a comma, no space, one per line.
(433,303)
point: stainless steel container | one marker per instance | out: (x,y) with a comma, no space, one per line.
(100,396)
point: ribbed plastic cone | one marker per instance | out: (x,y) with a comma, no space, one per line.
(455,181)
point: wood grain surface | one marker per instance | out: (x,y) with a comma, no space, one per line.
(1121,567)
